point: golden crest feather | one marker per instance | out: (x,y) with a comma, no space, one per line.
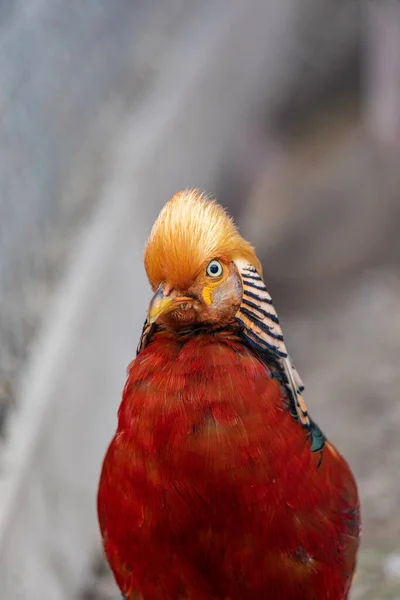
(191,230)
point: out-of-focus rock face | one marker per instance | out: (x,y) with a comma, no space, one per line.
(326,217)
(319,60)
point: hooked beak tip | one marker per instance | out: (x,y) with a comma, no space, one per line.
(161,304)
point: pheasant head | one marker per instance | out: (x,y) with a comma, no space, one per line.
(192,262)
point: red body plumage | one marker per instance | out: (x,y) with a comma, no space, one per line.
(209,488)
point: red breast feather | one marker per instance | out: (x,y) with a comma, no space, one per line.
(209,489)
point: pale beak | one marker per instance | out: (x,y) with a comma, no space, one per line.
(161,304)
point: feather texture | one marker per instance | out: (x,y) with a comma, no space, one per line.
(209,488)
(190,231)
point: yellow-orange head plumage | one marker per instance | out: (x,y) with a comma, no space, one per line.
(190,231)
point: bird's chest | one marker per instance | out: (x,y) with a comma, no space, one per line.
(210,414)
(208,471)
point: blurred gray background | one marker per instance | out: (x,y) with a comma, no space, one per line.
(287,112)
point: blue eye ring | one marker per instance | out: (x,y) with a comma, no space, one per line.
(214,269)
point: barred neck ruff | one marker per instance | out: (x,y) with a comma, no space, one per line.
(262,331)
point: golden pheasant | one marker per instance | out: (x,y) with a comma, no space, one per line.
(218,485)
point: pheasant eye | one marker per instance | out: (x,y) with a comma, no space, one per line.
(214,269)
